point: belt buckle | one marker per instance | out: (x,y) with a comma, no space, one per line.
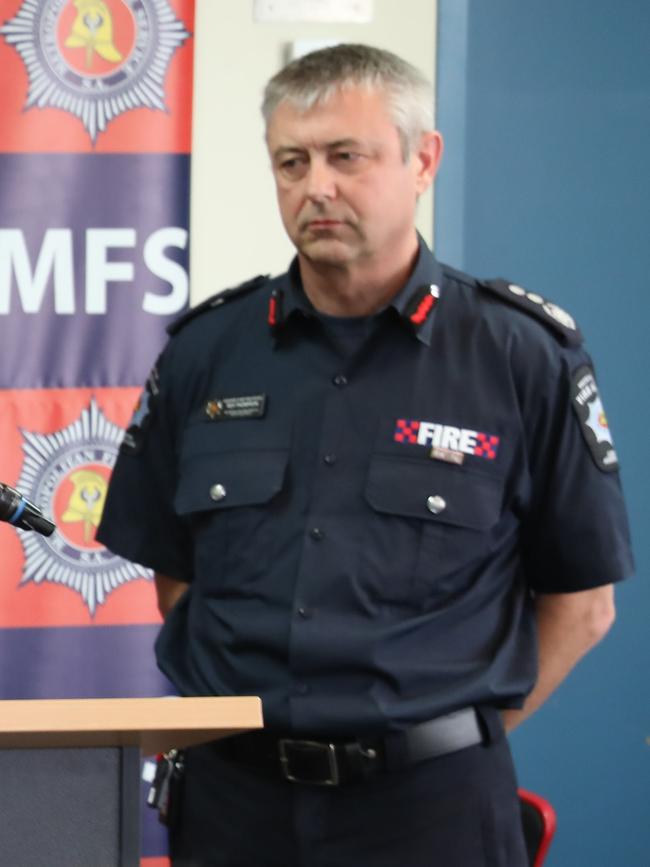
(287,746)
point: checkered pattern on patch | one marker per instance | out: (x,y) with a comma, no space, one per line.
(487,445)
(406,431)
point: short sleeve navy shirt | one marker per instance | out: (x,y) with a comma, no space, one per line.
(365,518)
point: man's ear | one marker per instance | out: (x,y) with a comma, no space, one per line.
(427,155)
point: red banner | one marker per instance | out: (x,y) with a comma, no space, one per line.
(95,137)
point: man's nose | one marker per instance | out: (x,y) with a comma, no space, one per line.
(321,183)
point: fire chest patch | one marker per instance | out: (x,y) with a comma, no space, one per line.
(446,442)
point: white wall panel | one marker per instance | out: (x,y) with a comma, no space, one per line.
(235,230)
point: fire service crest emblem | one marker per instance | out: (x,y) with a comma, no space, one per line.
(95,59)
(66,473)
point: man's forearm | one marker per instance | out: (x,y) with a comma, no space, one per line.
(569,625)
(168,591)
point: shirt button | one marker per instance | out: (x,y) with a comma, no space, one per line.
(217,492)
(329,459)
(305,613)
(302,688)
(340,381)
(436,504)
(316,533)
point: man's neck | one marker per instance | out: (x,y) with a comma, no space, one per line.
(355,289)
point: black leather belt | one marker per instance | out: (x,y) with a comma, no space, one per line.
(323,762)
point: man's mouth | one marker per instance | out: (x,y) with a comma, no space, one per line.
(323,224)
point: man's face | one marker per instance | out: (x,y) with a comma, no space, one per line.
(345,193)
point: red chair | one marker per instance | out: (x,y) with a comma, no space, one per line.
(539,820)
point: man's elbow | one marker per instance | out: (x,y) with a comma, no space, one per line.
(600,615)
(168,592)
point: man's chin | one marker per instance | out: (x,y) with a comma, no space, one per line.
(327,251)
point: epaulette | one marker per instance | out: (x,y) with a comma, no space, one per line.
(550,314)
(216,301)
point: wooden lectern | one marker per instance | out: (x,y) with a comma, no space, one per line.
(70,771)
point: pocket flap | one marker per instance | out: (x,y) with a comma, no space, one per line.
(228,479)
(434,492)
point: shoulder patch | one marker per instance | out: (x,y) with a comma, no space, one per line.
(216,301)
(541,308)
(136,432)
(589,408)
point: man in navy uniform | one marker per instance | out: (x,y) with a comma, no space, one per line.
(377,492)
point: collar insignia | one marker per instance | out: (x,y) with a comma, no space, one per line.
(421,303)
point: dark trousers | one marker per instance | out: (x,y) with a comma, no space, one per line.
(460,810)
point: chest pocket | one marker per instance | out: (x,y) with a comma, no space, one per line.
(216,482)
(231,499)
(451,514)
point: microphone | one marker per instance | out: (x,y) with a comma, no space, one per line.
(17,510)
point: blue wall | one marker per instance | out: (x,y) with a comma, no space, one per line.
(545,108)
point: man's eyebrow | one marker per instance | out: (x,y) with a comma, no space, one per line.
(285,150)
(343,143)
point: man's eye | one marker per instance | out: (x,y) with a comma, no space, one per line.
(347,161)
(293,167)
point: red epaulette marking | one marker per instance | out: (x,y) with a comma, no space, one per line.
(273,310)
(423,309)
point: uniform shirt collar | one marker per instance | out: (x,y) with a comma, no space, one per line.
(410,303)
(425,281)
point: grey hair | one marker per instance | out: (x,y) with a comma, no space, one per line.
(316,76)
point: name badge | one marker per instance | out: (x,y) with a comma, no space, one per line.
(225,408)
